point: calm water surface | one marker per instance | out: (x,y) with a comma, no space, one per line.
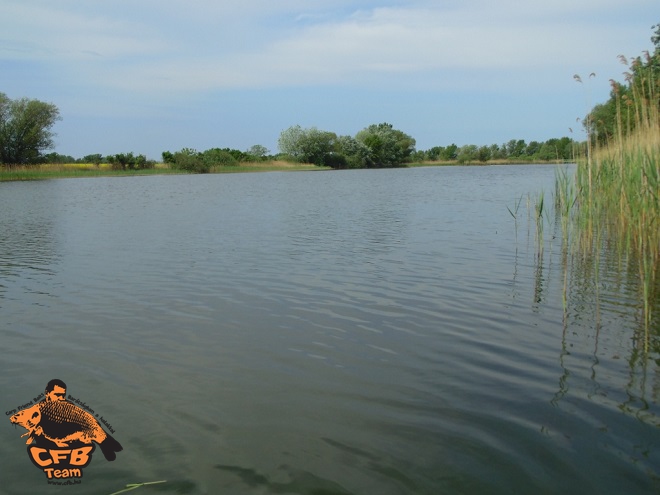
(347,332)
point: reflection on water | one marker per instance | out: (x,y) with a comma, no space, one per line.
(386,331)
(607,347)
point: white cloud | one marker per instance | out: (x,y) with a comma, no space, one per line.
(114,66)
(386,43)
(46,32)
(204,45)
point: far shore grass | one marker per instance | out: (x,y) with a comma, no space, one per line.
(74,170)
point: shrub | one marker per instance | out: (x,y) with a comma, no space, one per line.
(128,161)
(217,157)
(190,160)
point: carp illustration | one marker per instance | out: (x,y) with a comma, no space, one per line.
(63,423)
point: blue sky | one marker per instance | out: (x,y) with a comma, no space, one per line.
(151,75)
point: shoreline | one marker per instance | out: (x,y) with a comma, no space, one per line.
(87,170)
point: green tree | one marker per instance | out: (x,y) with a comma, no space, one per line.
(388,147)
(631,104)
(168,157)
(57,158)
(187,159)
(568,148)
(218,157)
(484,153)
(307,145)
(434,153)
(418,156)
(558,149)
(617,112)
(515,148)
(467,153)
(496,153)
(532,148)
(25,129)
(548,152)
(258,152)
(239,156)
(354,153)
(129,161)
(290,141)
(95,158)
(450,152)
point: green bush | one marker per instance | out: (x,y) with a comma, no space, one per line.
(190,160)
(128,161)
(217,157)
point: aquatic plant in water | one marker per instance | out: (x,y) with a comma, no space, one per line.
(611,207)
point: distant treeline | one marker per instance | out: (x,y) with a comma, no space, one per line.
(516,150)
(120,161)
(25,133)
(130,161)
(187,159)
(557,149)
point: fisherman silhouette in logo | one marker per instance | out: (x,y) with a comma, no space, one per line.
(55,390)
(58,423)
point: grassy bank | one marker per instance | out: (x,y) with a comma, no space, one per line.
(72,170)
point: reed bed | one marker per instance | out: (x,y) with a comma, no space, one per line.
(612,204)
(618,191)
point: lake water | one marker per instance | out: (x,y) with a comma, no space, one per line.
(344,332)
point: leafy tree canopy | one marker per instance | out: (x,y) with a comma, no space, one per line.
(129,161)
(388,147)
(629,102)
(307,145)
(258,152)
(25,129)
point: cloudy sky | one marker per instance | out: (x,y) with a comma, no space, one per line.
(152,75)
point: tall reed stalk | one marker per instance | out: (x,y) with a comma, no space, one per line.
(615,199)
(538,216)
